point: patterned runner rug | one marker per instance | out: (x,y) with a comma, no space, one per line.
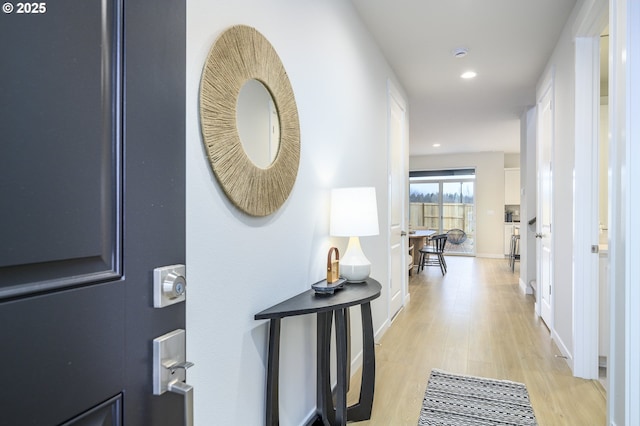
(457,400)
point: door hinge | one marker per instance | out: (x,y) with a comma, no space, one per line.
(595,249)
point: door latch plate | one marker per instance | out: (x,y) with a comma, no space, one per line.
(168,350)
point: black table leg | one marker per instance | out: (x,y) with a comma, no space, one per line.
(324,400)
(362,410)
(273,364)
(341,368)
(347,318)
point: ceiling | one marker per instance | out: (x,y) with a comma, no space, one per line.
(508,42)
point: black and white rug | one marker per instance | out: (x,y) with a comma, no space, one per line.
(457,400)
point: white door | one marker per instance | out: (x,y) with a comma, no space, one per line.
(544,215)
(398,244)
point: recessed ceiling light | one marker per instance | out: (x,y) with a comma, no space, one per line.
(460,52)
(469,74)
(436,145)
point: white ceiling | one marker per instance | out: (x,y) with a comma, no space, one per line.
(509,43)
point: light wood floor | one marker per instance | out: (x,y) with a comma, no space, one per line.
(475,320)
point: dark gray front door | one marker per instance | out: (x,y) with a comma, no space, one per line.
(92,185)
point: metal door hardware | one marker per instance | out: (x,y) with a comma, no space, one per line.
(170,369)
(169,285)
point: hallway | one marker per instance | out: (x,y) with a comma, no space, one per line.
(476,321)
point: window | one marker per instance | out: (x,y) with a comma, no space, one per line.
(442,200)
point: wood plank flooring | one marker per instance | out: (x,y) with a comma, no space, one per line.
(475,320)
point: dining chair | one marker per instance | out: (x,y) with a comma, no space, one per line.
(432,254)
(514,252)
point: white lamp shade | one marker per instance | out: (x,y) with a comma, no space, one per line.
(354,212)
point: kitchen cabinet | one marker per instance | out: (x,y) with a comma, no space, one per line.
(512,186)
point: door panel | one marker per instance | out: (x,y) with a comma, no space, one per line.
(58,150)
(62,359)
(92,165)
(545,196)
(398,246)
(107,414)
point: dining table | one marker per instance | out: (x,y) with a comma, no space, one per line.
(418,239)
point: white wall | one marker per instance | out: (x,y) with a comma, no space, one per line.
(511,160)
(239,265)
(489,194)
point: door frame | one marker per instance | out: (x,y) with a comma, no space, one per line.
(394,95)
(624,199)
(586,298)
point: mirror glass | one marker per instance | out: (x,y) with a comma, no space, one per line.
(258,123)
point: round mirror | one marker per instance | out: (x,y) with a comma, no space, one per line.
(258,185)
(258,124)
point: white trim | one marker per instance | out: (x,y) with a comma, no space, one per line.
(526,289)
(491,255)
(563,348)
(632,206)
(585,207)
(624,229)
(615,368)
(356,363)
(381,330)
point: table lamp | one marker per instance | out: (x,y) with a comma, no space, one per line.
(354,214)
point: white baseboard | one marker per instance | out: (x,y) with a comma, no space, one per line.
(526,289)
(490,255)
(311,417)
(356,363)
(563,349)
(377,335)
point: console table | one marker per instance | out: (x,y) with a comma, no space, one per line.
(326,307)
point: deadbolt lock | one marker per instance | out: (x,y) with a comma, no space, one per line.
(169,285)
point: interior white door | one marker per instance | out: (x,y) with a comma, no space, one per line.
(398,246)
(545,207)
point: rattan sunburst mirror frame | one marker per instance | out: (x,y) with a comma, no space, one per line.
(241,53)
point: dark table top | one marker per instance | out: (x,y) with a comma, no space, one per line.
(309,302)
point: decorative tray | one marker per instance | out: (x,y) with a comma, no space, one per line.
(323,287)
